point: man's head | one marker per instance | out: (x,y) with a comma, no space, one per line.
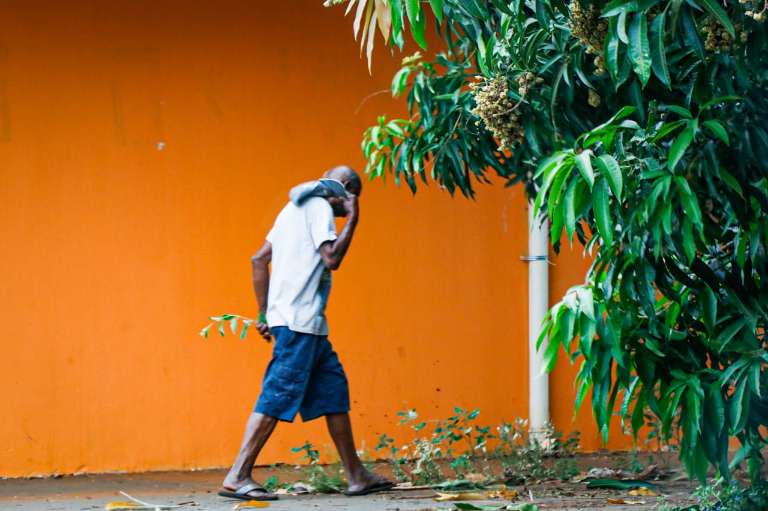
(352,183)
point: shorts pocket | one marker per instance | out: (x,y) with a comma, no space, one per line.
(290,380)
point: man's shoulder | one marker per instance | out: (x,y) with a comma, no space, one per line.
(313,203)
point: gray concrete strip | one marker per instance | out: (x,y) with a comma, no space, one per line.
(198,490)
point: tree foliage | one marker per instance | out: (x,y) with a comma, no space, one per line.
(639,128)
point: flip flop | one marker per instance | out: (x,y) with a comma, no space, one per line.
(242,493)
(376,487)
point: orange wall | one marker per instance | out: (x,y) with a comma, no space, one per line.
(145,149)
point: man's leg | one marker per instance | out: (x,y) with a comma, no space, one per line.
(358,477)
(257,432)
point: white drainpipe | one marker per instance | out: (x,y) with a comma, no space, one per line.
(538,304)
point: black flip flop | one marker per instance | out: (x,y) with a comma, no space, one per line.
(242,493)
(377,487)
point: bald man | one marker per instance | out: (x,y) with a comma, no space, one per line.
(304,375)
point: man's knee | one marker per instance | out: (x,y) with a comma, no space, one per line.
(267,418)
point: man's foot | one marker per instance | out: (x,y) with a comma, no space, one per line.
(367,483)
(245,490)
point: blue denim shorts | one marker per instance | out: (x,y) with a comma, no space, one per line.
(304,376)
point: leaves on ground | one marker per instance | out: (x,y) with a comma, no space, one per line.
(617,484)
(647,492)
(625,502)
(251,504)
(466,506)
(446,497)
(124,505)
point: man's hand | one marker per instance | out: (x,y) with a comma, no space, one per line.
(333,252)
(263,328)
(264,331)
(352,207)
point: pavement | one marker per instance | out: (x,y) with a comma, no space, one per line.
(197,491)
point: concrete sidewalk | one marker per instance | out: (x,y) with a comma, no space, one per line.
(198,489)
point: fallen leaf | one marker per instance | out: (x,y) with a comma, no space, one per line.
(616,484)
(466,506)
(137,504)
(625,502)
(123,505)
(646,492)
(504,493)
(251,504)
(446,497)
(527,506)
(455,485)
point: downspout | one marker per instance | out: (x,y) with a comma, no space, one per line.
(538,304)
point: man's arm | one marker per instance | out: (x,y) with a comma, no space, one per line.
(260,264)
(333,252)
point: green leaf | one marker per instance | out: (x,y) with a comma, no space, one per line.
(741,249)
(584,164)
(639,47)
(689,201)
(689,245)
(666,129)
(731,181)
(468,506)
(728,333)
(600,206)
(717,130)
(569,209)
(547,165)
(586,302)
(412,9)
(716,407)
(621,27)
(680,144)
(399,81)
(503,6)
(682,112)
(659,50)
(609,168)
(617,6)
(713,7)
(550,352)
(244,331)
(754,378)
(691,32)
(619,484)
(397,21)
(417,19)
(709,308)
(561,173)
(437,9)
(221,328)
(482,61)
(611,52)
(736,407)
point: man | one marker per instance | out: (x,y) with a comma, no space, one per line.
(304,375)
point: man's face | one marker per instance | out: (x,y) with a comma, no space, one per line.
(337,203)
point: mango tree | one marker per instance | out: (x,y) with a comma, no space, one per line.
(638,127)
